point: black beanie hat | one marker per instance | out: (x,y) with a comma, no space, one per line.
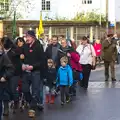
(31,33)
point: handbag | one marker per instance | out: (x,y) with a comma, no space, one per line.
(93,67)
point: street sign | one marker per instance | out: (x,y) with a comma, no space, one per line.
(112,24)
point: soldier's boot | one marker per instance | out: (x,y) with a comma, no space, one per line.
(113,79)
(106,78)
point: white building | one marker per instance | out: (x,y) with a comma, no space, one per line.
(66,8)
(117,10)
(69,8)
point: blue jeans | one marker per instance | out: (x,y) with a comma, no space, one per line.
(32,81)
(41,93)
(0,110)
(13,83)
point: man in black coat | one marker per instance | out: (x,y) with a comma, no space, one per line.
(33,61)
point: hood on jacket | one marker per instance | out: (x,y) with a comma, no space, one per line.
(64,68)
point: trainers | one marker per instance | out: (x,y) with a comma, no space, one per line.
(62,103)
(31,113)
(68,100)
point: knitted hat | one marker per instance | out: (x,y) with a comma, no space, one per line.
(31,33)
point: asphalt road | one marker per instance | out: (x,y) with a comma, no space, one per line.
(100,102)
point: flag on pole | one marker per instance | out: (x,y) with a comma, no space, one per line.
(67,35)
(40,29)
(91,34)
(14,30)
(68,38)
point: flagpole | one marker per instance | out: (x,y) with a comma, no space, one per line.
(107,16)
(14,23)
(14,26)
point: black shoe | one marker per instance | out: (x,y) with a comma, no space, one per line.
(106,78)
(81,85)
(113,79)
(85,88)
(40,107)
(62,103)
(74,94)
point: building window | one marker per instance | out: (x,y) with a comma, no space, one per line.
(86,1)
(43,4)
(4,5)
(90,1)
(47,5)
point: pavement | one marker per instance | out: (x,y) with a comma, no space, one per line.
(98,74)
(100,102)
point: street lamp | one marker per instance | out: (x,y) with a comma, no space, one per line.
(100,22)
(107,16)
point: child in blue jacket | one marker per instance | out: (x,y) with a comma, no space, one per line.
(64,79)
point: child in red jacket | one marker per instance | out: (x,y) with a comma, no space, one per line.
(98,47)
(77,70)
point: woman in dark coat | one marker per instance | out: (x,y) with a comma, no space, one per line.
(14,55)
(6,72)
(64,50)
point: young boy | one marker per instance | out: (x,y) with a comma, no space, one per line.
(64,79)
(50,84)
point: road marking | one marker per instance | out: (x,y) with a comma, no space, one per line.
(102,68)
(104,84)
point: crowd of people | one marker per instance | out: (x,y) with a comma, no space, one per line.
(28,64)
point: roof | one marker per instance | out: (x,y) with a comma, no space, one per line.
(52,23)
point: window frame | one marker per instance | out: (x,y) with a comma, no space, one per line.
(48,5)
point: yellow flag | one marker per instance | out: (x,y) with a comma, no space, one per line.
(40,29)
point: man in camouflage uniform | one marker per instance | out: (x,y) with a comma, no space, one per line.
(109,54)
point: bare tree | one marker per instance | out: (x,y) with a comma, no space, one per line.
(21,7)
